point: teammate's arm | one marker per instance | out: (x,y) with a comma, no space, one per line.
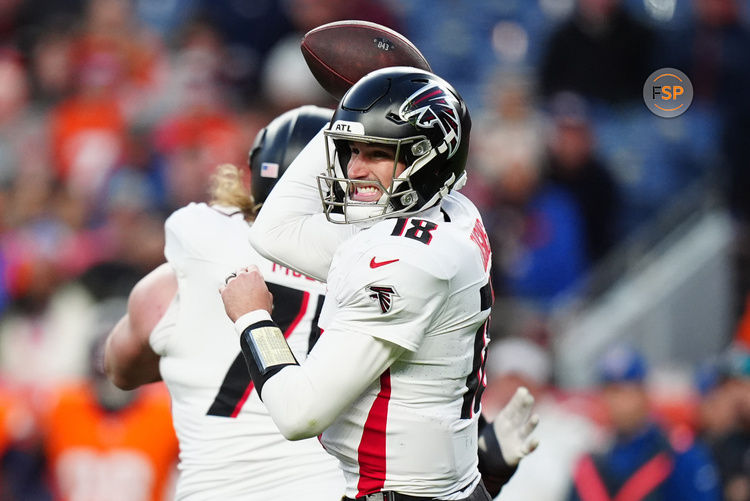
(290,228)
(128,357)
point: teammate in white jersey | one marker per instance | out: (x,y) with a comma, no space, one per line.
(394,383)
(229,446)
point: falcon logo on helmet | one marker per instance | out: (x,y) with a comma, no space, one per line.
(432,106)
(412,112)
(384,295)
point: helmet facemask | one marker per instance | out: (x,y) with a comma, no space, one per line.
(399,198)
(417,114)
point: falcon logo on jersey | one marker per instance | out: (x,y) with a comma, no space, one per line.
(433,106)
(384,295)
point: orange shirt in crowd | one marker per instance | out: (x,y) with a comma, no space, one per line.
(128,454)
(88,135)
(16,417)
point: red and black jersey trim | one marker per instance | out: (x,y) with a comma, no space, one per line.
(234,390)
(290,305)
(315,331)
(475,383)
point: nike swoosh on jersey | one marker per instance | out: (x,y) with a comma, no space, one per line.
(374,264)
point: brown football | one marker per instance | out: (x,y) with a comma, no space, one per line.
(342,52)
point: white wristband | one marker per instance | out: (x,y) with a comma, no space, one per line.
(249,319)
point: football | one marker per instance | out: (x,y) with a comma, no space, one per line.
(340,53)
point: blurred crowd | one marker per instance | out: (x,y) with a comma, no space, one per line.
(113,113)
(624,439)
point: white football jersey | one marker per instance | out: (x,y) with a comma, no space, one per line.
(421,283)
(229,446)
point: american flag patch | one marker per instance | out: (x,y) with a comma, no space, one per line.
(269,169)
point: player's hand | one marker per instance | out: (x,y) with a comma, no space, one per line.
(513,426)
(246,292)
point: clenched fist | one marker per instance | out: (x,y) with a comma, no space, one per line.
(246,292)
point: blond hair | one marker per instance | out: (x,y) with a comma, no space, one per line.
(226,188)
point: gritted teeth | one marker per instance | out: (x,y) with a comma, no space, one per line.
(366,193)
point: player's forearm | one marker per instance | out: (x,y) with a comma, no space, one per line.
(295,405)
(307,399)
(290,228)
(129,364)
(304,400)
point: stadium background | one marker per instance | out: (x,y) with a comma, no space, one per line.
(609,225)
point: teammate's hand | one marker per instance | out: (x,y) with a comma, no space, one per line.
(246,292)
(513,426)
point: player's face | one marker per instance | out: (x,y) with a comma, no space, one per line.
(372,162)
(628,406)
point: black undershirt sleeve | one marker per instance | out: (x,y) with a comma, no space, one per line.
(495,471)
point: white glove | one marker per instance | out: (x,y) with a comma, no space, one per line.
(513,426)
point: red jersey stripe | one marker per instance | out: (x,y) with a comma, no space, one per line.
(371,451)
(302,311)
(242,400)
